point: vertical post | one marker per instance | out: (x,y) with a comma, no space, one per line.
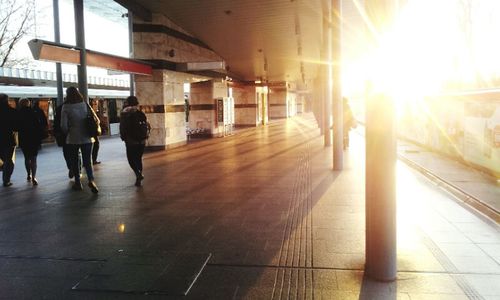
(336,54)
(381,247)
(327,105)
(131,48)
(57,39)
(326,89)
(80,43)
(321,95)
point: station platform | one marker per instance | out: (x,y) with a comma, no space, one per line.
(256,215)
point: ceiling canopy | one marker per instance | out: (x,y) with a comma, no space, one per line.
(278,40)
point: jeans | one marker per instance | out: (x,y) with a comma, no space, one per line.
(86,150)
(7,155)
(134,157)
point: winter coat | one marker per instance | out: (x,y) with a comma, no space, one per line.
(58,133)
(8,127)
(125,123)
(31,129)
(73,123)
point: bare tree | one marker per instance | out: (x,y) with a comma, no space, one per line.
(16,20)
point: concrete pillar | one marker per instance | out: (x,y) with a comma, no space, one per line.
(161,97)
(317,102)
(336,70)
(262,104)
(278,102)
(245,105)
(57,39)
(301,104)
(131,48)
(80,43)
(327,105)
(203,114)
(326,57)
(381,246)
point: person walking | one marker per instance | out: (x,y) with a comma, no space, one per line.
(31,134)
(74,124)
(349,121)
(95,147)
(42,118)
(61,138)
(134,131)
(8,140)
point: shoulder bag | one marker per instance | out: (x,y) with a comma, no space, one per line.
(92,123)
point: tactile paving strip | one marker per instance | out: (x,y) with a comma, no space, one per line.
(294,278)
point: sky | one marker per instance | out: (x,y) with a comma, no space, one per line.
(101,33)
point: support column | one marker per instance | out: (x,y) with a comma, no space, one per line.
(57,39)
(161,97)
(80,43)
(204,117)
(131,48)
(327,74)
(316,103)
(327,106)
(336,70)
(246,108)
(381,247)
(278,101)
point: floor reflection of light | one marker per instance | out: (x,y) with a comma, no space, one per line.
(121,228)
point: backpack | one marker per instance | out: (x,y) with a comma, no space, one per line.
(138,126)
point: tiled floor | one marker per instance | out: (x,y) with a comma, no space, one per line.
(263,204)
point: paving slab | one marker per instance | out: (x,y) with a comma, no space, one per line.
(265,203)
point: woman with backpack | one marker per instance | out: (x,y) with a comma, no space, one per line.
(32,129)
(134,131)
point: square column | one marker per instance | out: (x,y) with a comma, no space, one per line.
(203,107)
(278,101)
(245,105)
(161,97)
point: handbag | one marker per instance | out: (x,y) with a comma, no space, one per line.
(92,123)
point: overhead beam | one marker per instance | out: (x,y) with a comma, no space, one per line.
(137,9)
(56,52)
(201,66)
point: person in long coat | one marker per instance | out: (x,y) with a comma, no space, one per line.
(31,134)
(8,140)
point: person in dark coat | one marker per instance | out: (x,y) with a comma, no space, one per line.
(31,133)
(8,140)
(133,146)
(96,145)
(42,118)
(61,141)
(349,121)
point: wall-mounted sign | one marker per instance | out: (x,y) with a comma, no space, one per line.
(220,111)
